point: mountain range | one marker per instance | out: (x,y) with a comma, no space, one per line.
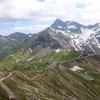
(69,35)
(61,62)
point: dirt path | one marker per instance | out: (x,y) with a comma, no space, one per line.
(11,96)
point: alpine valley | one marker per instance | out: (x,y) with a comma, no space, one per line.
(61,62)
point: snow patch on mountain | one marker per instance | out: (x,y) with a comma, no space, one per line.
(86,34)
(76,68)
(71,26)
(59,26)
(60,31)
(79,41)
(78,36)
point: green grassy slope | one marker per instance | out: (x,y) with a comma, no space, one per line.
(53,84)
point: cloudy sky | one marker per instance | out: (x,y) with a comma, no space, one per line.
(31,16)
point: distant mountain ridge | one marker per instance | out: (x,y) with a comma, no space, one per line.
(72,26)
(68,35)
(12,40)
(9,44)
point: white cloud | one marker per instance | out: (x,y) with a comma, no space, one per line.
(29,29)
(49,10)
(67,10)
(64,9)
(19,8)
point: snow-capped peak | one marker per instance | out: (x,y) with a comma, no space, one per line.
(80,36)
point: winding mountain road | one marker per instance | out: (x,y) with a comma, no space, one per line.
(60,64)
(79,57)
